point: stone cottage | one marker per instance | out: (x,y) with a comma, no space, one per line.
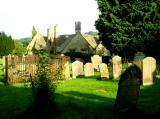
(63,43)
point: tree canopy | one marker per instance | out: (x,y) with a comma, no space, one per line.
(6,44)
(128,26)
(19,48)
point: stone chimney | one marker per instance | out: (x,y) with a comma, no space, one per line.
(77,27)
(53,32)
(56,29)
(50,33)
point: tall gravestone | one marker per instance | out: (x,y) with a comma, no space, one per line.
(149,67)
(67,70)
(117,66)
(128,89)
(88,70)
(104,71)
(96,61)
(77,69)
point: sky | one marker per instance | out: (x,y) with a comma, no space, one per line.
(17,17)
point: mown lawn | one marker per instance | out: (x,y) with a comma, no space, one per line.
(82,98)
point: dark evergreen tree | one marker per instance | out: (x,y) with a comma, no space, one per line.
(6,44)
(19,48)
(128,26)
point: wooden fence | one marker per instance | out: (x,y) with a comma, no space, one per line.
(19,68)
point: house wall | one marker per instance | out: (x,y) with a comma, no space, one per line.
(78,44)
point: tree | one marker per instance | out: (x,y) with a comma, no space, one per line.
(25,41)
(93,33)
(125,25)
(6,44)
(19,48)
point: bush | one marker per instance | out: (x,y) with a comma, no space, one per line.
(43,88)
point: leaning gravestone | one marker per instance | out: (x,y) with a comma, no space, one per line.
(128,89)
(77,69)
(117,66)
(96,61)
(104,71)
(88,70)
(149,67)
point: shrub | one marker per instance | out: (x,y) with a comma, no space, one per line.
(43,88)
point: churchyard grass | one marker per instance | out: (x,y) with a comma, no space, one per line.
(149,100)
(81,98)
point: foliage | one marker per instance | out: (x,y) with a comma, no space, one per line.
(6,44)
(93,33)
(102,51)
(34,32)
(125,26)
(25,41)
(1,71)
(19,48)
(44,87)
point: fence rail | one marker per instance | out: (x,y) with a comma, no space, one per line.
(19,68)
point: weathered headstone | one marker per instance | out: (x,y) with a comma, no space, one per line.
(67,70)
(128,89)
(104,71)
(77,69)
(117,66)
(88,70)
(96,61)
(149,67)
(138,58)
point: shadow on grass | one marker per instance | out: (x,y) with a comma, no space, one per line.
(76,105)
(149,100)
(14,101)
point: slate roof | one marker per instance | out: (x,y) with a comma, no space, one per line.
(63,40)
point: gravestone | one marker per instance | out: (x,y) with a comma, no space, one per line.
(88,70)
(77,69)
(117,66)
(138,58)
(96,61)
(104,71)
(149,67)
(128,89)
(67,70)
